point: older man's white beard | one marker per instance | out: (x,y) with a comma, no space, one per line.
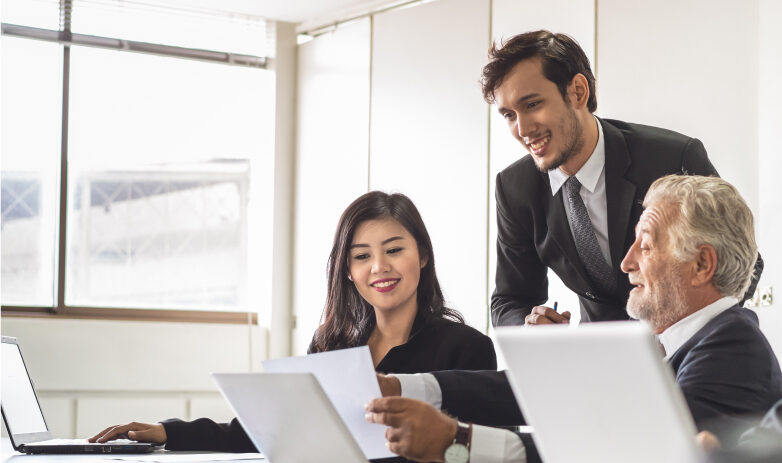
(663,308)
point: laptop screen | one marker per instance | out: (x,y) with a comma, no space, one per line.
(20,405)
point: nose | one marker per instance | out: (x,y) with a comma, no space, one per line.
(519,129)
(630,263)
(524,125)
(380,264)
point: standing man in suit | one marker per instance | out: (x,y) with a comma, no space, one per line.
(691,261)
(571,204)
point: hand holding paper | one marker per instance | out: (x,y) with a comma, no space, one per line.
(348,378)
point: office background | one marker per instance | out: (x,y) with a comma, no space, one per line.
(391,101)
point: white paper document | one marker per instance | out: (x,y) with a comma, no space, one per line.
(348,378)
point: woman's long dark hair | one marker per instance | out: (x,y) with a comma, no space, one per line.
(348,318)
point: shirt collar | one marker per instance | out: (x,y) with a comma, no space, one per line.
(680,332)
(590,172)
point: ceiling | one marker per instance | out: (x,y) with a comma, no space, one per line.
(294,11)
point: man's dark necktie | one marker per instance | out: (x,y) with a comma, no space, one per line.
(586,241)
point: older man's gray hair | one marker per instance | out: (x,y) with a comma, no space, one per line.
(711,211)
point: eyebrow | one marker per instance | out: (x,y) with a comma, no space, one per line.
(519,101)
(644,230)
(386,241)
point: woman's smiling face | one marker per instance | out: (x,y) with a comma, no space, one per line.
(384,265)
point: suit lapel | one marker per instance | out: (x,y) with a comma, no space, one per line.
(620,192)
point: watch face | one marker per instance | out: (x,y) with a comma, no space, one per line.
(457,453)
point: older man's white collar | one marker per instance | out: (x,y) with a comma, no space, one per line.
(589,174)
(680,332)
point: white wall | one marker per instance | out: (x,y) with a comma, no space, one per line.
(93,373)
(690,67)
(769,219)
(429,137)
(332,164)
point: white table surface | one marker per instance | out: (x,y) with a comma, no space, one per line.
(8,455)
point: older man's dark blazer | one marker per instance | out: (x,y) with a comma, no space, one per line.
(533,232)
(727,371)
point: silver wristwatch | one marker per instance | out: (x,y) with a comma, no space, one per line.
(459,450)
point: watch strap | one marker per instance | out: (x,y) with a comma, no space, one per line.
(463,434)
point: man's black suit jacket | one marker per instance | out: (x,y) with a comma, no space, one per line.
(727,371)
(533,232)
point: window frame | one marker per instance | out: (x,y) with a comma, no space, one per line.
(60,309)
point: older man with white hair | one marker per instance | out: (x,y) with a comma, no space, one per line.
(692,259)
(690,263)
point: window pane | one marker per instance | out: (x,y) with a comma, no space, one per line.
(30,146)
(161,153)
(35,13)
(184,26)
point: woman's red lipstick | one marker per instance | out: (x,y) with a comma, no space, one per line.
(384,288)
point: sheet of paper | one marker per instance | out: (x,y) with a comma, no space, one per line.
(348,377)
(174,457)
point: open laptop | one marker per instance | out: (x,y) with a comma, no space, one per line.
(289,417)
(24,419)
(600,392)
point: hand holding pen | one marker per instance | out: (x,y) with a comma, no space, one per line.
(542,315)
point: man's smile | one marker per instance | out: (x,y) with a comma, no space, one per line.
(538,146)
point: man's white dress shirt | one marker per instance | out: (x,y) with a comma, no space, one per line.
(680,332)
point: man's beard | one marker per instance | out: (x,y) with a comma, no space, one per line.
(573,137)
(663,308)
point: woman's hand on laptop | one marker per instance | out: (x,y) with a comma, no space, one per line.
(142,432)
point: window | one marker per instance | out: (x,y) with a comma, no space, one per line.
(166,191)
(30,145)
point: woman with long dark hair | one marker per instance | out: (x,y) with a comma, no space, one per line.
(382,292)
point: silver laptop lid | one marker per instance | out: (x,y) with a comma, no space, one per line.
(600,392)
(20,408)
(289,417)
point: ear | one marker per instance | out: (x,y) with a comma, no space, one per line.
(578,91)
(424,261)
(704,265)
(350,277)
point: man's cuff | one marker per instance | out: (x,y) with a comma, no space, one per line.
(490,445)
(421,386)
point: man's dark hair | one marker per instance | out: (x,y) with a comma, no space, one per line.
(561,56)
